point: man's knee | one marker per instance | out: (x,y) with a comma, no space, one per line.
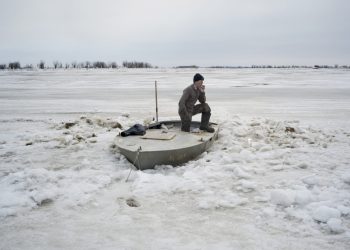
(206,108)
(202,108)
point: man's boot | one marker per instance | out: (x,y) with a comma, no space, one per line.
(205,122)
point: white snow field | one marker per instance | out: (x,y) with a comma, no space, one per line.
(277,178)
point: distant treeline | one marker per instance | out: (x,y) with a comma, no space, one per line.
(135,64)
(76,65)
(187,67)
(335,66)
(284,67)
(267,67)
(127,64)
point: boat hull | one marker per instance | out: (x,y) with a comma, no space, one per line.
(148,159)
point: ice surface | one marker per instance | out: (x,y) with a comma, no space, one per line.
(335,225)
(324,213)
(260,186)
(283,197)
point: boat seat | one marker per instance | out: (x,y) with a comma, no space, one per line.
(158,135)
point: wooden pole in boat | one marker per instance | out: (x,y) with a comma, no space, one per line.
(156,92)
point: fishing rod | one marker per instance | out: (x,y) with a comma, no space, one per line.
(156,93)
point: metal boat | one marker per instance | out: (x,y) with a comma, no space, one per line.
(165,144)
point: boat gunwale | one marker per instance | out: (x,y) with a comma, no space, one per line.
(210,138)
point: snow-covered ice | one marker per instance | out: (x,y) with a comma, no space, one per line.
(323,213)
(277,178)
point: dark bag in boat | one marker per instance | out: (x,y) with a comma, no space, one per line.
(137,129)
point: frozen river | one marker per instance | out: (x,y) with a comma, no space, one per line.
(259,187)
(306,94)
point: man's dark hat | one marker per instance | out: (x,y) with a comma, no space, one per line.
(197,77)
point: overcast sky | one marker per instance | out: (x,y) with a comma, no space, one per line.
(176,32)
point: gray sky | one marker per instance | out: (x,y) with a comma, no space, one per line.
(176,32)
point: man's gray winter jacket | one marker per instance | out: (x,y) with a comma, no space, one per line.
(189,98)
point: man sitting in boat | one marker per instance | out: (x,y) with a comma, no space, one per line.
(187,107)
